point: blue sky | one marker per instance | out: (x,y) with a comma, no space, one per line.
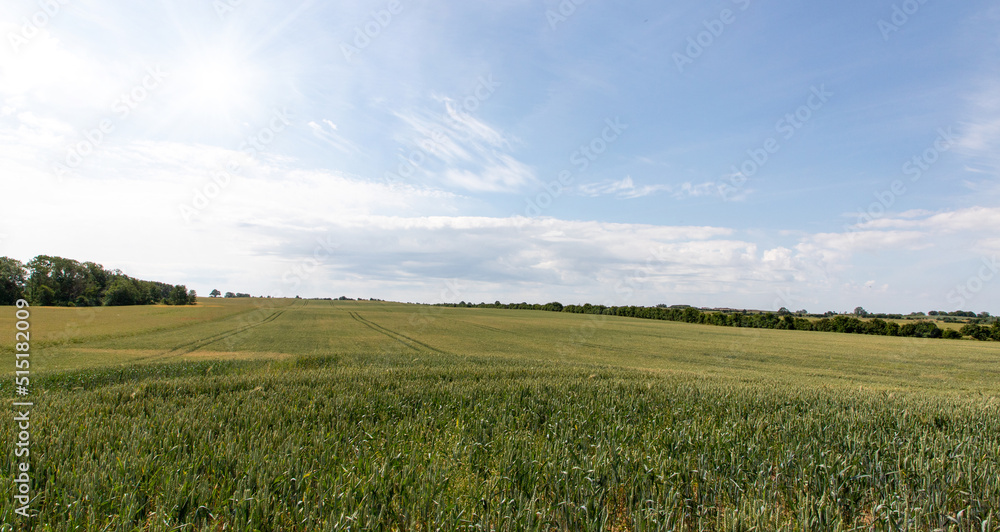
(718,153)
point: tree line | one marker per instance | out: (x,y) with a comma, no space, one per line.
(216,293)
(56,281)
(763,320)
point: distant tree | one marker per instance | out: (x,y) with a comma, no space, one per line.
(975,331)
(122,292)
(691,315)
(43,295)
(951,334)
(12,280)
(879,326)
(67,279)
(96,285)
(803,324)
(215,293)
(154,293)
(178,295)
(921,329)
(784,312)
(860,311)
(230,294)
(57,281)
(192,297)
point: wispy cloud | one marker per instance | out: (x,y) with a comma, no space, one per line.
(418,103)
(980,134)
(458,149)
(327,132)
(626,189)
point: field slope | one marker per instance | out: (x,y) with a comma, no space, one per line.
(319,415)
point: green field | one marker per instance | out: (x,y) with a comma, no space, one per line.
(318,415)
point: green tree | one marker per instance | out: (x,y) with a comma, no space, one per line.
(152,292)
(40,287)
(67,278)
(43,296)
(692,315)
(921,329)
(122,292)
(96,284)
(178,296)
(803,324)
(975,331)
(951,334)
(215,293)
(13,278)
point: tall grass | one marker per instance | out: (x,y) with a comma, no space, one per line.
(362,441)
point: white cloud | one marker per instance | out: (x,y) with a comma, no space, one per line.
(501,174)
(632,263)
(381,241)
(979,138)
(400,240)
(970,220)
(327,132)
(470,154)
(626,189)
(982,134)
(403,241)
(46,75)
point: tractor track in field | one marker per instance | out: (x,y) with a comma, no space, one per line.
(601,346)
(486,327)
(393,334)
(195,345)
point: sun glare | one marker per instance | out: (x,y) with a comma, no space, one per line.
(218,85)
